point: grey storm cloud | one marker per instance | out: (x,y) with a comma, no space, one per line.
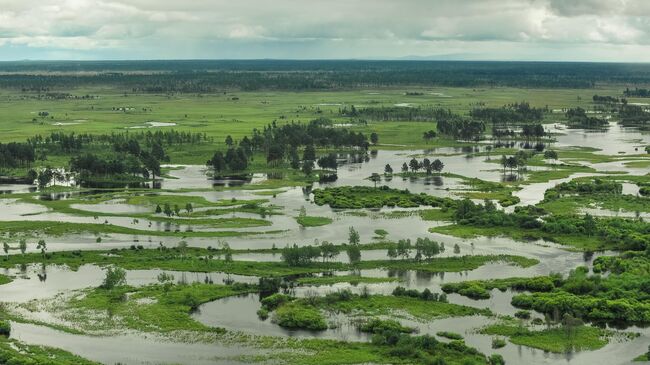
(321,29)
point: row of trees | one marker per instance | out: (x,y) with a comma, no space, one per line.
(397,113)
(414,165)
(281,143)
(41,245)
(606,99)
(519,160)
(637,92)
(460,128)
(512,114)
(425,248)
(234,160)
(169,211)
(70,142)
(577,118)
(133,161)
(16,154)
(304,255)
(634,116)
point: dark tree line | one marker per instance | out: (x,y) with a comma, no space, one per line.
(637,92)
(127,158)
(578,118)
(16,154)
(69,142)
(609,100)
(202,76)
(461,128)
(511,114)
(634,116)
(513,120)
(396,113)
(281,143)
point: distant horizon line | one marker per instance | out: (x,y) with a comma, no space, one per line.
(401,59)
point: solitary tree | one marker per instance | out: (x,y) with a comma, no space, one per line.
(392,252)
(22,245)
(168,210)
(437,165)
(115,277)
(404,248)
(42,246)
(456,249)
(426,165)
(374,138)
(354,253)
(589,224)
(310,153)
(375,178)
(307,167)
(353,236)
(328,250)
(182,248)
(388,170)
(414,165)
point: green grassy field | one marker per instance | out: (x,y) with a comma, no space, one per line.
(218,115)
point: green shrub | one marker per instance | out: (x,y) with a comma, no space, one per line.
(273,301)
(523,314)
(298,316)
(376,325)
(5,328)
(498,343)
(450,335)
(263,313)
(496,359)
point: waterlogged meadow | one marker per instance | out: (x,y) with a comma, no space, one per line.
(425,225)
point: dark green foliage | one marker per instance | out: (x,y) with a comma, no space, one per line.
(577,118)
(481,289)
(16,154)
(299,316)
(376,325)
(115,276)
(450,335)
(354,197)
(624,295)
(300,256)
(393,113)
(510,114)
(595,186)
(498,343)
(273,301)
(5,328)
(426,294)
(463,129)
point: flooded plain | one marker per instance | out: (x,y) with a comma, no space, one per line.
(238,314)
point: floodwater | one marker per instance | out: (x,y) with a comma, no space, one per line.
(239,313)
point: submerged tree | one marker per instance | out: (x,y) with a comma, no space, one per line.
(22,245)
(42,246)
(115,277)
(353,236)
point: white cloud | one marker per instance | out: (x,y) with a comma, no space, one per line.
(325,29)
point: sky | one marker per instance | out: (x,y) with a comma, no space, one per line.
(541,30)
